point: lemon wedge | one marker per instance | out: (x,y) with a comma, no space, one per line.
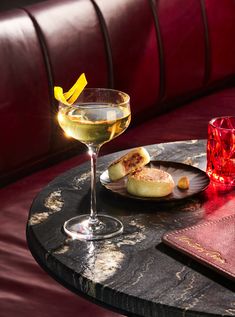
(69,97)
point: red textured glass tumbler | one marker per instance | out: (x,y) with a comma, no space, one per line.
(221,150)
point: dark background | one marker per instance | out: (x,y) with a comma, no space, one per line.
(10,4)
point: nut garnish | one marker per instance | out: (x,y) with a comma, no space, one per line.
(183,182)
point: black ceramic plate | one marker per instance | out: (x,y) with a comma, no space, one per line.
(199,181)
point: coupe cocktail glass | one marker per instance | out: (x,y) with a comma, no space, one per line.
(221,150)
(98,116)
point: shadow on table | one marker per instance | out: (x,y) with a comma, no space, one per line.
(196,266)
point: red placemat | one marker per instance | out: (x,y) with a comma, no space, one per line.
(211,243)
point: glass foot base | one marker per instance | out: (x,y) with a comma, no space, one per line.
(81,227)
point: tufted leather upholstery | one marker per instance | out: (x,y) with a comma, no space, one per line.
(174,57)
(24,99)
(161,56)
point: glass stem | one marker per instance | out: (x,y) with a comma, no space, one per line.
(93,152)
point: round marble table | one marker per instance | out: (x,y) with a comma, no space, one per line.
(134,273)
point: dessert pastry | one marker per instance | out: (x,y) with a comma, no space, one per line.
(150,182)
(132,160)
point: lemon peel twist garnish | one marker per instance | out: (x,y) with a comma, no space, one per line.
(69,97)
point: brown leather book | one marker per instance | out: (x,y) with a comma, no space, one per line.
(211,243)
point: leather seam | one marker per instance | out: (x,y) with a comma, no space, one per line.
(107,44)
(207,73)
(49,72)
(210,222)
(162,85)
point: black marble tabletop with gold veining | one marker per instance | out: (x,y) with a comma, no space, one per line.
(134,273)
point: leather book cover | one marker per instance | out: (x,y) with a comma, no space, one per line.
(211,243)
